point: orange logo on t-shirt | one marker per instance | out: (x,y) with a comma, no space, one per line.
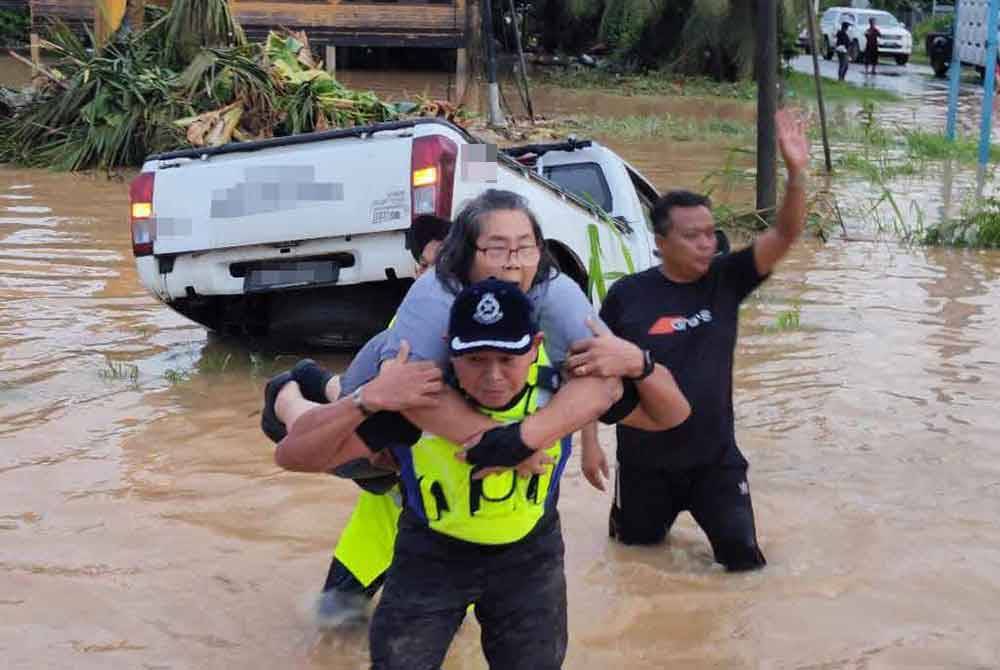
(668,325)
(664,325)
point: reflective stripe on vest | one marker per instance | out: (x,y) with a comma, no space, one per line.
(498,509)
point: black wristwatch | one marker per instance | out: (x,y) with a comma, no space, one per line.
(648,365)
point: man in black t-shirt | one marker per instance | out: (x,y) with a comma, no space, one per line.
(686,312)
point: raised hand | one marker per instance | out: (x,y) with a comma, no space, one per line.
(791,126)
(402,385)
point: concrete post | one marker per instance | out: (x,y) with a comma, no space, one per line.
(331,60)
(494,114)
(461,74)
(989,82)
(36,52)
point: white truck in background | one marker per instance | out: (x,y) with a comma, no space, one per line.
(303,238)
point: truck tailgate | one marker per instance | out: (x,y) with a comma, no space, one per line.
(343,186)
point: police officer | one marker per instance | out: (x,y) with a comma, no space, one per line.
(470,532)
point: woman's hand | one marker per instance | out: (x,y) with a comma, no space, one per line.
(604,355)
(402,385)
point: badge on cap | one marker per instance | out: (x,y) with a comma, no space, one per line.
(488,310)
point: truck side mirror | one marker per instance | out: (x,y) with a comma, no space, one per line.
(625,225)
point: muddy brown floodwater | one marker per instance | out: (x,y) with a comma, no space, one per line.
(143,523)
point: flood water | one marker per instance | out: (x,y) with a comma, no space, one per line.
(143,523)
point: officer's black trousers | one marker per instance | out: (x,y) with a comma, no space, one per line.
(519,592)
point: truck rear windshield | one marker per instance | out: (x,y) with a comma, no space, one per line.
(584,180)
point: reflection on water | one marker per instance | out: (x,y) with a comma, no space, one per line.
(145,524)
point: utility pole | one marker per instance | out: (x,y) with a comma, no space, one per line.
(767,106)
(520,55)
(813,47)
(496,118)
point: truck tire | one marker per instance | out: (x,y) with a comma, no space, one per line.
(854,52)
(902,59)
(827,50)
(339,317)
(940,67)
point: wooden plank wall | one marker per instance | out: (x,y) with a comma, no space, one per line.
(332,15)
(70,10)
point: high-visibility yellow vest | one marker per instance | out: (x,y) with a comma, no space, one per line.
(499,509)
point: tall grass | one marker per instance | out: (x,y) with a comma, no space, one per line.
(977,228)
(119,371)
(799,86)
(655,82)
(665,126)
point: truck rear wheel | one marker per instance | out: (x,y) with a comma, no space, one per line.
(827,49)
(902,59)
(940,67)
(340,317)
(854,52)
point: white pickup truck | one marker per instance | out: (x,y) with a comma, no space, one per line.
(303,237)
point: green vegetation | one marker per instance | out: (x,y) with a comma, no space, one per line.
(221,360)
(942,23)
(119,371)
(171,86)
(664,126)
(788,319)
(14,26)
(695,37)
(175,376)
(980,228)
(214,362)
(653,82)
(922,145)
(799,86)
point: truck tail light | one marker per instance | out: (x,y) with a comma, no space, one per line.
(141,221)
(433,169)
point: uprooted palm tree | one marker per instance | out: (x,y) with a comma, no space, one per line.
(161,88)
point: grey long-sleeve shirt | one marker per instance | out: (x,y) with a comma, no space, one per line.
(561,309)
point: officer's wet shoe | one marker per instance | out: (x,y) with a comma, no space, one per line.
(312,380)
(340,609)
(269,421)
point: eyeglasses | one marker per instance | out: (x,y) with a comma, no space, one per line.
(501,254)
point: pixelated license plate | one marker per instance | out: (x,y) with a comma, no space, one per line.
(283,275)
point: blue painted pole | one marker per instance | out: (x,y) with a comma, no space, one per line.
(986,121)
(953,74)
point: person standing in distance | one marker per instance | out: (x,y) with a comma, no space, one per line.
(872,36)
(685,312)
(843,44)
